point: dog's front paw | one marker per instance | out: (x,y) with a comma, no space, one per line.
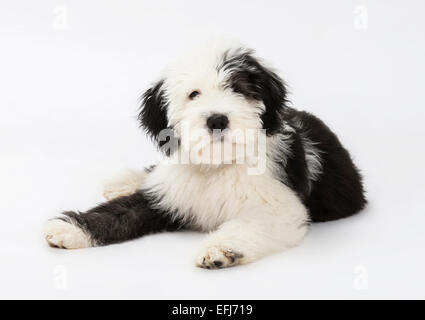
(62,234)
(115,191)
(125,185)
(215,257)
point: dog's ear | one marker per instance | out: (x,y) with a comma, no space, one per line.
(249,77)
(153,110)
(153,118)
(274,98)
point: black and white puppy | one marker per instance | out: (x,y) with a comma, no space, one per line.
(238,162)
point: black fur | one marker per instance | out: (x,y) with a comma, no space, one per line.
(124,218)
(153,112)
(338,192)
(296,168)
(153,118)
(251,79)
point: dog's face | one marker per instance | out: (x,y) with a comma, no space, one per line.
(213,95)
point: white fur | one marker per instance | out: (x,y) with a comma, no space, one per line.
(251,215)
(62,234)
(313,159)
(124,185)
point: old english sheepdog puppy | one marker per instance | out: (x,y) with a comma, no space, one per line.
(237,162)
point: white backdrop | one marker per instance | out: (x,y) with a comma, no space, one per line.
(70,76)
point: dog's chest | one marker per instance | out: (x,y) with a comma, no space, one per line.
(207,197)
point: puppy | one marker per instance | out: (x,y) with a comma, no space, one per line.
(237,162)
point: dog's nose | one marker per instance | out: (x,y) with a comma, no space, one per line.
(217,121)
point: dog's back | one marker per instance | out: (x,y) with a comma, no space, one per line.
(321,170)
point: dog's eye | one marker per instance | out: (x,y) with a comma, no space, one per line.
(194,94)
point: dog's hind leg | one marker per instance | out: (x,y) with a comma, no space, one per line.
(118,220)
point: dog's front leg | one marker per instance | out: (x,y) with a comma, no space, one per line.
(252,235)
(125,184)
(114,221)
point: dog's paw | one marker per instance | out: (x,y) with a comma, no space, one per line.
(62,234)
(125,185)
(215,257)
(118,190)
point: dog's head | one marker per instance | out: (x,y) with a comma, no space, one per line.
(213,95)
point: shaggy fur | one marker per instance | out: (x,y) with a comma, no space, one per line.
(253,205)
